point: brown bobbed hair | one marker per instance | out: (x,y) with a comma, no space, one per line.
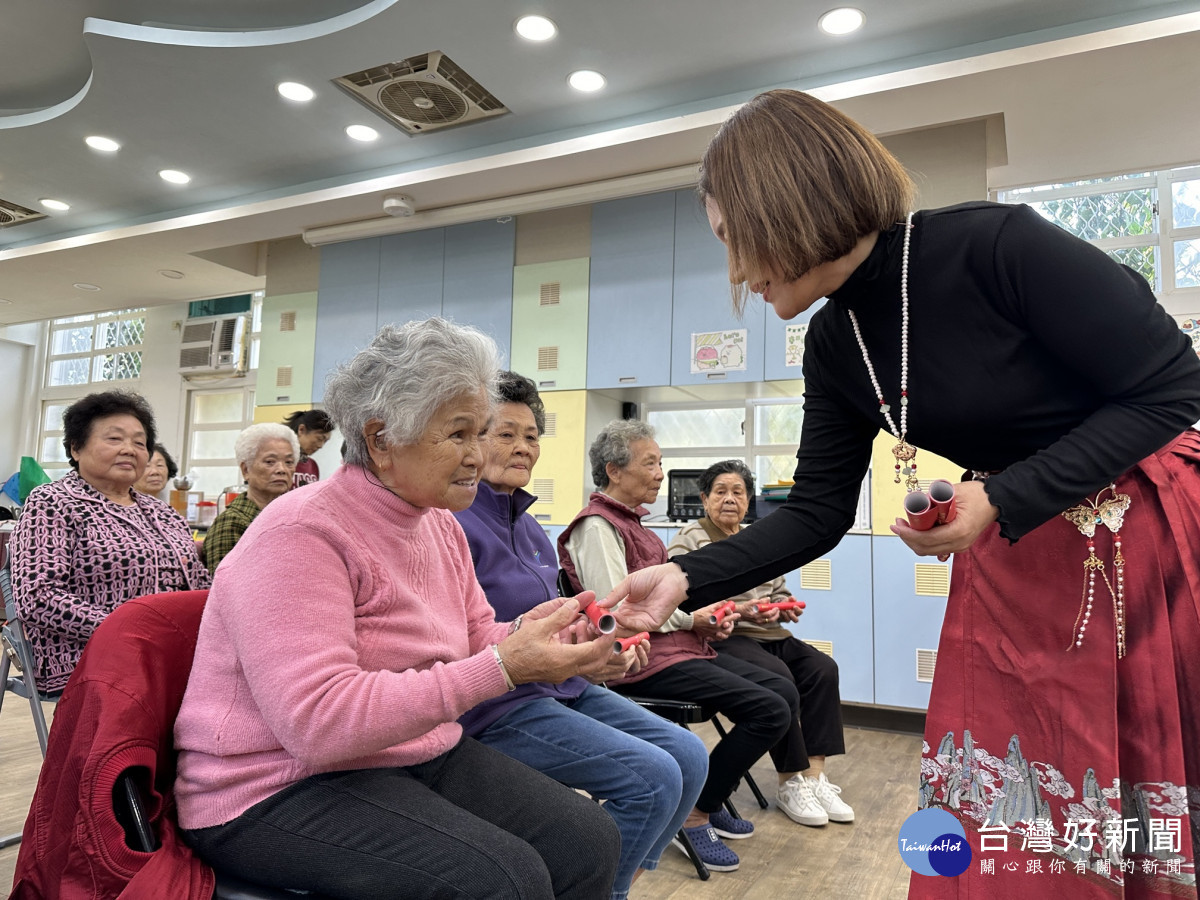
(798,184)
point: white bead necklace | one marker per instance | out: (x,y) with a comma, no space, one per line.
(904,452)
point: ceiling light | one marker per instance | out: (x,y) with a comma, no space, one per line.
(170,273)
(294,90)
(586,80)
(5,302)
(842,20)
(536,28)
(108,145)
(362,133)
(84,286)
(54,204)
(174,176)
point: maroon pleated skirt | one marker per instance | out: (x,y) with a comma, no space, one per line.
(1075,773)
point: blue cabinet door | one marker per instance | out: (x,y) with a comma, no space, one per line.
(347,306)
(410,276)
(842,615)
(629,297)
(779,334)
(478,278)
(905,622)
(701,307)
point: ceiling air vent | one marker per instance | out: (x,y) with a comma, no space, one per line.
(422,93)
(15,214)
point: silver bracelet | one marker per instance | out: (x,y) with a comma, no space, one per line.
(503,671)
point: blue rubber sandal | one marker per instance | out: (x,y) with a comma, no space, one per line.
(714,854)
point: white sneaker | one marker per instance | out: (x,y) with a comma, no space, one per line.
(826,794)
(796,798)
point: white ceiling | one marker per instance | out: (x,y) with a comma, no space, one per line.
(190,84)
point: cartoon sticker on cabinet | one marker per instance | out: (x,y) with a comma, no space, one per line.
(1191,327)
(793,344)
(719,351)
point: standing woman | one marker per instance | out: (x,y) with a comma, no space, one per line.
(313,428)
(1069,663)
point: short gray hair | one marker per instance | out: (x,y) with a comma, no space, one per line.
(247,445)
(403,376)
(612,446)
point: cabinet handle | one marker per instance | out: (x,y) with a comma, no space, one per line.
(627,379)
(547,384)
(715,376)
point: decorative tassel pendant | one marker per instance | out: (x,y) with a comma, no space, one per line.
(905,453)
(1111,514)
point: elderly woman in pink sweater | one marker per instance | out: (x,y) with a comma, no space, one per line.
(343,637)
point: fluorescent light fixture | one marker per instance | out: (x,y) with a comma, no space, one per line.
(535,28)
(174,176)
(294,90)
(586,80)
(362,133)
(50,203)
(842,20)
(96,142)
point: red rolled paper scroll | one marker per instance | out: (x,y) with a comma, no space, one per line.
(941,496)
(922,514)
(792,603)
(622,644)
(601,618)
(719,614)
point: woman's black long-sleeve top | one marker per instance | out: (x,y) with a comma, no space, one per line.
(1031,354)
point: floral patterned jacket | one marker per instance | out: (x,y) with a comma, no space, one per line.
(76,556)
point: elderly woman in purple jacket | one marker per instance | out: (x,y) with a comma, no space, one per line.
(648,771)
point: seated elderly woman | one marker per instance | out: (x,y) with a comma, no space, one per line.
(88,542)
(266,454)
(599,548)
(159,471)
(759,637)
(648,771)
(344,636)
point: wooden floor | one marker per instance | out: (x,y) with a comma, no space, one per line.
(782,861)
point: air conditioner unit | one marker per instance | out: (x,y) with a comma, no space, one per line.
(422,93)
(15,214)
(213,344)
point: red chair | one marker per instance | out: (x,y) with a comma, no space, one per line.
(102,823)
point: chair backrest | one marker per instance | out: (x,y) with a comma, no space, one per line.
(564,584)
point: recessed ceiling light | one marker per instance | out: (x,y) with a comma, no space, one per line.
(170,273)
(84,286)
(586,80)
(50,203)
(362,132)
(174,176)
(536,28)
(108,145)
(294,90)
(842,20)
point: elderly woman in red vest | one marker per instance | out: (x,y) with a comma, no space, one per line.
(606,542)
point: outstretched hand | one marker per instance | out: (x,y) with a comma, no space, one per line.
(647,597)
(537,652)
(973,514)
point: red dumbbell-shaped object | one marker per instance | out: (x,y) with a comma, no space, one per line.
(601,618)
(719,614)
(620,645)
(790,603)
(926,510)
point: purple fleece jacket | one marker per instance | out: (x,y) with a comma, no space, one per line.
(517,569)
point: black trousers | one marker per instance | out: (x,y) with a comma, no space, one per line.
(761,704)
(818,732)
(471,823)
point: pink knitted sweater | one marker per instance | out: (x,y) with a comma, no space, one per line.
(345,630)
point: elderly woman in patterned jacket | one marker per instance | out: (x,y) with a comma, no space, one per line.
(88,542)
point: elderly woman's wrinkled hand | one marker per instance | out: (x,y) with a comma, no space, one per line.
(750,612)
(619,665)
(647,597)
(536,651)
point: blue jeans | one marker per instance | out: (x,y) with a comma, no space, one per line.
(648,771)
